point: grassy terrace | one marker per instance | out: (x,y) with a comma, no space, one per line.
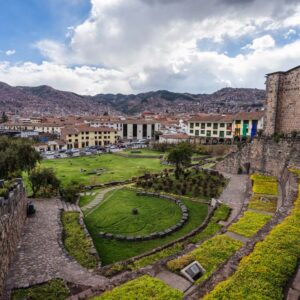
(142,288)
(114,168)
(266,185)
(114,215)
(210,254)
(265,272)
(250,223)
(146,151)
(263,203)
(52,290)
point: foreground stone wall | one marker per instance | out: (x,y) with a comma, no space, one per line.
(12,218)
(263,155)
(283,102)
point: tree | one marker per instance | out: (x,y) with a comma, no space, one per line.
(44,182)
(70,193)
(16,155)
(181,157)
(4,118)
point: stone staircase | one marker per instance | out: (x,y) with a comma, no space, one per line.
(69,207)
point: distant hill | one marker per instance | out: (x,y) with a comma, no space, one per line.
(47,100)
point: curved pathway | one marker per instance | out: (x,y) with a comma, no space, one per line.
(98,199)
(234,195)
(41,257)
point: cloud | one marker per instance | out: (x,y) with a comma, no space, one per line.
(10,52)
(139,45)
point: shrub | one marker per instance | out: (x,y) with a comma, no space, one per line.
(210,254)
(142,288)
(52,290)
(70,193)
(250,223)
(265,272)
(75,240)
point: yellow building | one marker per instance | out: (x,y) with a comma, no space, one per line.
(85,136)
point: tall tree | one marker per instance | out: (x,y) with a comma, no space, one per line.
(180,156)
(4,117)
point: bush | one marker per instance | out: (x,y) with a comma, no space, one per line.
(265,272)
(70,193)
(142,288)
(75,240)
(250,223)
(52,290)
(210,254)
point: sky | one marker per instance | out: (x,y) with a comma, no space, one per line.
(132,46)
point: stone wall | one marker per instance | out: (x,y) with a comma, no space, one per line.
(282,113)
(263,155)
(12,218)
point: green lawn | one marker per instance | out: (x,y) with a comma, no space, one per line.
(115,168)
(88,197)
(114,215)
(142,152)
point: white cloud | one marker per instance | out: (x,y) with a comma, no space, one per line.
(10,52)
(261,43)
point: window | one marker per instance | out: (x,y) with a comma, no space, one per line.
(208,124)
(70,140)
(202,131)
(191,125)
(197,132)
(70,135)
(202,125)
(221,133)
(191,131)
(208,133)
(228,132)
(197,125)
(215,125)
(222,125)
(215,132)
(228,126)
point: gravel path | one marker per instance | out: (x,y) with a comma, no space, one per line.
(41,257)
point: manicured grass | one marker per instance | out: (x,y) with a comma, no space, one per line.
(147,152)
(265,184)
(75,240)
(249,223)
(115,168)
(51,290)
(263,203)
(88,197)
(114,215)
(210,254)
(266,271)
(142,288)
(112,251)
(145,261)
(221,214)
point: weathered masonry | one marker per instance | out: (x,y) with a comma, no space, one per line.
(12,219)
(282,113)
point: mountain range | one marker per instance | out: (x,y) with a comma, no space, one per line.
(45,100)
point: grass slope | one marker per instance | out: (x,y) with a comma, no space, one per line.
(142,288)
(116,168)
(112,251)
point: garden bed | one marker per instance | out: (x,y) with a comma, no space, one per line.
(142,288)
(210,254)
(265,272)
(250,223)
(76,242)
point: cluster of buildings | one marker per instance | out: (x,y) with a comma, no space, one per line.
(55,133)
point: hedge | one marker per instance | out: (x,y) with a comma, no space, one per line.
(249,223)
(210,254)
(142,288)
(266,271)
(263,203)
(75,240)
